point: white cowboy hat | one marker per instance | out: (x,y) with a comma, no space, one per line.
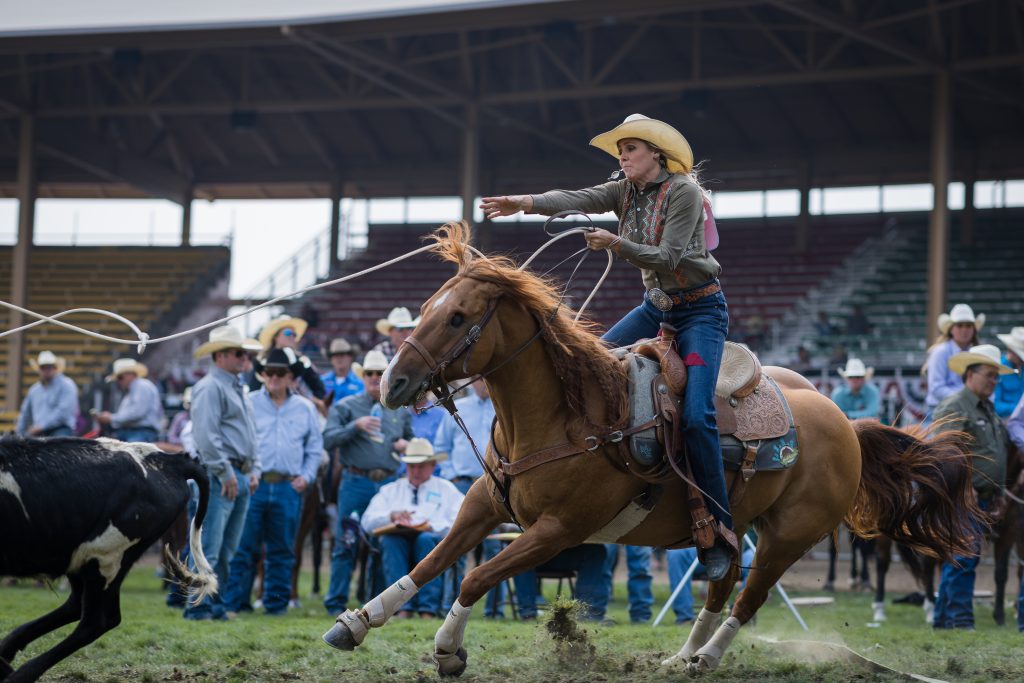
(339,346)
(1014,341)
(420,450)
(375,360)
(47,358)
(678,155)
(855,368)
(984,354)
(961,313)
(399,317)
(271,329)
(225,337)
(123,365)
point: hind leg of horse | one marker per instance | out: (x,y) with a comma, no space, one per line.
(19,638)
(1001,555)
(928,571)
(476,518)
(100,611)
(883,558)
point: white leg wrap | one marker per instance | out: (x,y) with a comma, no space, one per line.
(384,606)
(879,608)
(929,611)
(448,640)
(699,635)
(356,623)
(709,656)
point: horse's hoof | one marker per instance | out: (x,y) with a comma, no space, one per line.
(701,664)
(340,637)
(451,664)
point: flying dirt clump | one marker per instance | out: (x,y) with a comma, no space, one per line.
(572,644)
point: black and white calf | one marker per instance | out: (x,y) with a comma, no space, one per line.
(88,510)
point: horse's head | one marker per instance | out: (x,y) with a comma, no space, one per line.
(453,339)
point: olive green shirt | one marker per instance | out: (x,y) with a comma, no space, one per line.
(990,445)
(681,251)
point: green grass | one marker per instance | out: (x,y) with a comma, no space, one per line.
(154,643)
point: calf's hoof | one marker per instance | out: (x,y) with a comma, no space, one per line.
(451,664)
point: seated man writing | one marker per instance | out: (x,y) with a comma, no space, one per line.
(411,516)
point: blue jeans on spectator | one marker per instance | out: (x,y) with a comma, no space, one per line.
(679,560)
(273,522)
(701,330)
(452,577)
(130,434)
(954,604)
(588,561)
(222,530)
(354,494)
(400,554)
(638,563)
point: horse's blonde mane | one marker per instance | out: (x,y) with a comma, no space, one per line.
(573,347)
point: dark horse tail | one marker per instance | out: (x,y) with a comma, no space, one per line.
(917,492)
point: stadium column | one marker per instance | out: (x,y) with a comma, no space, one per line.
(938,233)
(967,217)
(22,254)
(470,173)
(335,192)
(803,221)
(186,216)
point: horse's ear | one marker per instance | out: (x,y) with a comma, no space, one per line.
(452,242)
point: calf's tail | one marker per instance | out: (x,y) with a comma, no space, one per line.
(202,582)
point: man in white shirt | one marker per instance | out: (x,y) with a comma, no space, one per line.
(411,516)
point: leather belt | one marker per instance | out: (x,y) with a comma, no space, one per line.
(374,475)
(245,466)
(276,477)
(664,301)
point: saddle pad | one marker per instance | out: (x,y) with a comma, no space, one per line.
(643,445)
(764,414)
(772,454)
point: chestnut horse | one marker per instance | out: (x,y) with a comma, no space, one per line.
(553,381)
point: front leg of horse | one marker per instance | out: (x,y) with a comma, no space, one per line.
(542,541)
(474,522)
(708,619)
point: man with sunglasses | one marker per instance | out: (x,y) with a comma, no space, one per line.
(366,435)
(225,439)
(290,445)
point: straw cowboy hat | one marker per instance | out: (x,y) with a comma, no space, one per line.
(340,346)
(678,155)
(420,450)
(225,337)
(961,313)
(1014,341)
(123,365)
(47,358)
(855,368)
(399,317)
(374,361)
(984,354)
(271,329)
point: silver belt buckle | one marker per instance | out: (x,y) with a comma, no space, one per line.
(659,299)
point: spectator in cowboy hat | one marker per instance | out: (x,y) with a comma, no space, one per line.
(365,434)
(396,327)
(342,380)
(139,414)
(224,434)
(1011,387)
(417,511)
(970,410)
(857,398)
(286,332)
(51,406)
(958,331)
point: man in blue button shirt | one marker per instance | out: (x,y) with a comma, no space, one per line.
(857,398)
(140,413)
(291,447)
(342,379)
(51,406)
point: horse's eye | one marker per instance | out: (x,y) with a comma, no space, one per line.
(457,320)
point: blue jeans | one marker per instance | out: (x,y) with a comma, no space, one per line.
(588,561)
(954,604)
(222,530)
(130,434)
(452,577)
(702,327)
(273,520)
(679,560)
(58,431)
(354,494)
(400,554)
(638,562)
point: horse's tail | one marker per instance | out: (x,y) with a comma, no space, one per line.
(917,492)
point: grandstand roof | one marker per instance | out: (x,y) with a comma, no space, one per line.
(766,90)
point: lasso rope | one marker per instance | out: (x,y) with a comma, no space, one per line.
(143,340)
